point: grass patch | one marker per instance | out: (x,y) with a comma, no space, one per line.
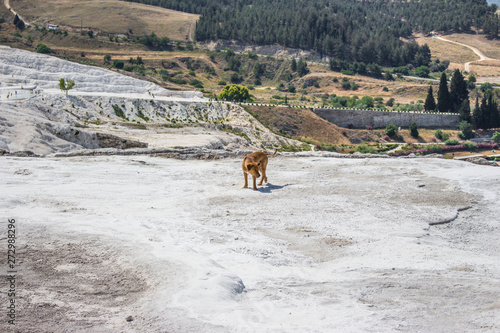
(173,125)
(236,131)
(294,149)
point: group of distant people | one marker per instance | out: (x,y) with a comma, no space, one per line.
(14,94)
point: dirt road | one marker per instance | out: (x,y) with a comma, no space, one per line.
(480,54)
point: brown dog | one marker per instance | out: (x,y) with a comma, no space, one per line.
(252,164)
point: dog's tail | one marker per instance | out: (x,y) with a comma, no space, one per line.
(275,151)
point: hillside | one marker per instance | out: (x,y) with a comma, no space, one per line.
(209,68)
(108,110)
(113,17)
(298,123)
(367,31)
(181,66)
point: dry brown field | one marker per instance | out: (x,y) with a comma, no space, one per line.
(109,16)
(490,47)
(446,51)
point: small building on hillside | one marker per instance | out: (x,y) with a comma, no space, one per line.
(53,27)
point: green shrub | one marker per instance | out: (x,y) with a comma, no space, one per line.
(176,80)
(414,129)
(452,142)
(42,48)
(496,137)
(391,129)
(366,149)
(470,146)
(466,129)
(346,85)
(118,64)
(196,83)
(443,136)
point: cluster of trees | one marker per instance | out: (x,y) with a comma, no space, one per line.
(19,23)
(486,115)
(363,31)
(351,68)
(449,100)
(153,41)
(300,67)
(456,100)
(491,26)
(365,102)
(233,61)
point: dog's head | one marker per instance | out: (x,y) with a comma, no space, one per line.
(253,169)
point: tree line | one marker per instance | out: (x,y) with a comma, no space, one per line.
(456,100)
(363,31)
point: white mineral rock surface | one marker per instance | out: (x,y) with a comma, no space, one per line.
(149,244)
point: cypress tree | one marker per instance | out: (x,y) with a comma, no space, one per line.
(302,67)
(458,91)
(477,115)
(443,102)
(465,111)
(494,116)
(484,114)
(294,65)
(430,102)
(19,23)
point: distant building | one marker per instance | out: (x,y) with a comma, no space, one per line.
(53,27)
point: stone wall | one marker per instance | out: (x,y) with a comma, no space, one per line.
(380,119)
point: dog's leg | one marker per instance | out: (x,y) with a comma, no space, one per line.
(244,173)
(263,166)
(254,181)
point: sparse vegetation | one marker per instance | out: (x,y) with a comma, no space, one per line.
(118,111)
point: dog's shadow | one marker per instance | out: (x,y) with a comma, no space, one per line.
(269,188)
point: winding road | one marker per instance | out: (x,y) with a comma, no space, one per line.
(7,5)
(480,54)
